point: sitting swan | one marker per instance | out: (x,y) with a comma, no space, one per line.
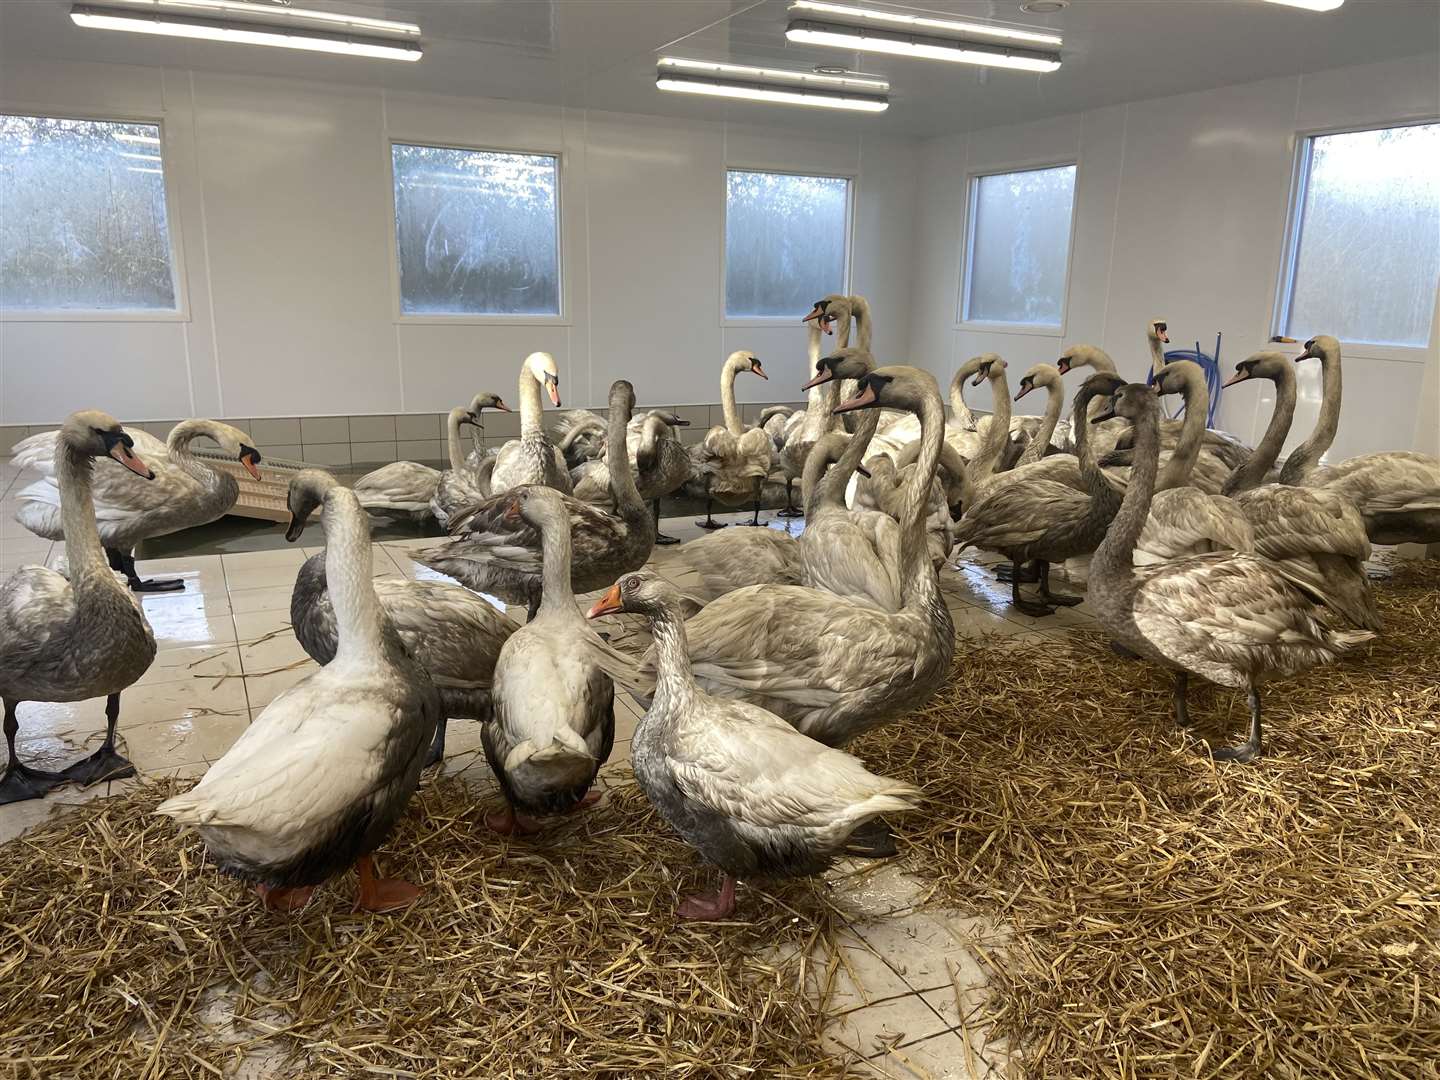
(319,779)
(185,492)
(554,720)
(532,458)
(750,793)
(451,632)
(73,636)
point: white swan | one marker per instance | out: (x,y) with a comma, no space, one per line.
(185,493)
(73,636)
(733,461)
(321,776)
(532,458)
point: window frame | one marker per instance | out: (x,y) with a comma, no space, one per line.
(400,317)
(852,181)
(967,252)
(1300,158)
(178,276)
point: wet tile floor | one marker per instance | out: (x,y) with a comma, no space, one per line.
(908,982)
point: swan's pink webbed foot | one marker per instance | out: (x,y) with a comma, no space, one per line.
(510,823)
(382,894)
(710,906)
(279,899)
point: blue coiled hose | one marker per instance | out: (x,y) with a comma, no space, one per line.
(1208,364)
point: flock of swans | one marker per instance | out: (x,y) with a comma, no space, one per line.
(1205,556)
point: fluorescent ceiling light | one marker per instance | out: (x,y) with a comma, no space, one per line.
(1310,5)
(148,139)
(241,33)
(136,168)
(870,16)
(142,157)
(820,99)
(864,84)
(868,39)
(274,14)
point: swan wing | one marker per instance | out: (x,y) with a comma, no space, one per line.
(1186,521)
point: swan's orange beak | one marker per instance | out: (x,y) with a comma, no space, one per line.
(758,370)
(1025,388)
(501,405)
(824,376)
(1064,365)
(250,458)
(553,385)
(608,604)
(865,398)
(1241,375)
(512,513)
(123,454)
(815,313)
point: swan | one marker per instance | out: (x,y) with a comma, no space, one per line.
(733,462)
(457,488)
(319,779)
(1234,619)
(750,793)
(1183,458)
(185,492)
(554,720)
(1053,433)
(829,666)
(1024,516)
(494,551)
(532,458)
(408,487)
(580,437)
(453,634)
(78,635)
(1397,492)
(804,429)
(662,464)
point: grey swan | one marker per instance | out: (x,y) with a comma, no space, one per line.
(657,456)
(731,464)
(493,551)
(452,633)
(186,492)
(745,789)
(318,780)
(1234,619)
(554,703)
(73,636)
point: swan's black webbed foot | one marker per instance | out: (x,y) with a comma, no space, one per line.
(1062,599)
(22,782)
(1250,749)
(1033,608)
(105,764)
(661,540)
(154,585)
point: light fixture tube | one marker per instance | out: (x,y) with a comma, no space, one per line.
(275,14)
(923,22)
(151,140)
(1310,5)
(820,99)
(96,18)
(863,84)
(867,39)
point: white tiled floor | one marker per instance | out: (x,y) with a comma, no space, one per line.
(226,649)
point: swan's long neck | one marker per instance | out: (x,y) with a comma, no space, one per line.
(452,434)
(821,400)
(348,569)
(178,444)
(963,416)
(733,423)
(1038,445)
(1157,355)
(555,566)
(84,554)
(1192,434)
(617,455)
(914,551)
(674,684)
(1267,451)
(1114,555)
(1307,455)
(828,488)
(991,451)
(531,409)
(864,328)
(1104,498)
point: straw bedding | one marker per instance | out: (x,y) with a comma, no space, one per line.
(123,953)
(1175,917)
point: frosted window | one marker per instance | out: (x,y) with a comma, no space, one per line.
(1368,256)
(784,241)
(477,232)
(1020,246)
(82,216)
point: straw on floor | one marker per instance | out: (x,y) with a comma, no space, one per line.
(123,953)
(1176,917)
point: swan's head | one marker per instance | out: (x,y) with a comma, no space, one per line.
(1179,376)
(537,506)
(847,363)
(1084,356)
(744,360)
(1158,330)
(828,311)
(1131,401)
(1100,385)
(460,416)
(486,400)
(622,397)
(236,443)
(668,419)
(893,387)
(92,433)
(1320,347)
(642,593)
(308,489)
(1040,375)
(541,366)
(1261,365)
(987,366)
